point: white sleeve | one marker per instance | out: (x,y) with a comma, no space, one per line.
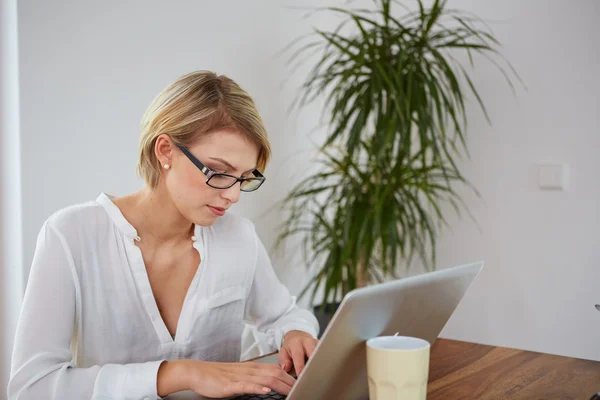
(42,362)
(271,308)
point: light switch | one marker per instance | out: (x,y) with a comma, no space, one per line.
(553,176)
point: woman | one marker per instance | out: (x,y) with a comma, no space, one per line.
(146,295)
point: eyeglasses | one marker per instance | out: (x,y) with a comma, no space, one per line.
(219,180)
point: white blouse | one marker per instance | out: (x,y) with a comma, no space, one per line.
(90,327)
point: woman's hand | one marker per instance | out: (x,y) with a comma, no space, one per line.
(297,347)
(218,380)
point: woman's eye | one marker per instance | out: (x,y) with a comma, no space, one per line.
(217,170)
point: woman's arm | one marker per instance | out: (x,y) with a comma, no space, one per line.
(219,380)
(42,362)
(172,377)
(271,308)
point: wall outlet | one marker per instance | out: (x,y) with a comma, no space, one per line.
(553,176)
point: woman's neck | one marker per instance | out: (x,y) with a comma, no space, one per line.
(155,217)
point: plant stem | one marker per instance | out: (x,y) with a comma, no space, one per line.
(362,275)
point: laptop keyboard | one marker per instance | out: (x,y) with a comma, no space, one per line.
(272,395)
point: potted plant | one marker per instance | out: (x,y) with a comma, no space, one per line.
(395,95)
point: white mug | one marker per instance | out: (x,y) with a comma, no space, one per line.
(397,368)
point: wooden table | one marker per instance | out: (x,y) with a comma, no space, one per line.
(461,370)
(465,371)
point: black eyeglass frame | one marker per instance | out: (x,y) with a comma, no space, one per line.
(211,174)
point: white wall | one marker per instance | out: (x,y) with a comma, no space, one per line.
(10,188)
(89,69)
(541,248)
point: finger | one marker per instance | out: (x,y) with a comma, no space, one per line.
(247,387)
(284,376)
(309,346)
(285,360)
(287,367)
(298,357)
(275,371)
(273,382)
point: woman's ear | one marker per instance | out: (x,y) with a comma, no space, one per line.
(163,148)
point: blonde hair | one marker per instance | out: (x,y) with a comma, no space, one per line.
(196,104)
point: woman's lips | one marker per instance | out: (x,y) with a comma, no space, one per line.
(218,211)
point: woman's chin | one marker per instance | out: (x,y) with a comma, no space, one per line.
(204,217)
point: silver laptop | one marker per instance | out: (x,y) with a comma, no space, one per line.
(418,306)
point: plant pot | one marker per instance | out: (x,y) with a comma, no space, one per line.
(324,315)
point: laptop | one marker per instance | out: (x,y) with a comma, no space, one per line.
(418,306)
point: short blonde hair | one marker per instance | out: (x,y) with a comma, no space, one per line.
(196,104)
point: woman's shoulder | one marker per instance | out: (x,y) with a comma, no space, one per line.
(78,215)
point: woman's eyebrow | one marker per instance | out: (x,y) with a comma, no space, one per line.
(228,165)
